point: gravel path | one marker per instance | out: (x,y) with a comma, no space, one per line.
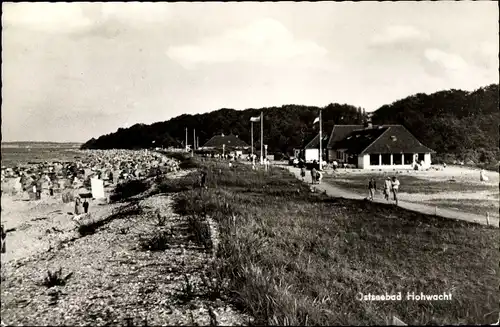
(426,209)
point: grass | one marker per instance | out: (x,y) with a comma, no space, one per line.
(409,184)
(292,257)
(480,207)
(90,226)
(159,241)
(128,189)
(55,278)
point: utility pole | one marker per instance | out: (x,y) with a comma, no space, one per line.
(251,135)
(261,136)
(194,142)
(320,141)
(186,144)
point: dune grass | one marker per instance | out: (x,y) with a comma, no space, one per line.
(292,257)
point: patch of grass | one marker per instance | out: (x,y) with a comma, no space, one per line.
(292,257)
(129,189)
(214,280)
(124,230)
(170,185)
(187,292)
(55,278)
(90,226)
(160,219)
(185,159)
(200,231)
(159,241)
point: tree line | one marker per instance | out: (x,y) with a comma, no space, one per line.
(456,124)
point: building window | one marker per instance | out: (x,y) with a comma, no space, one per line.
(386,159)
(374,159)
(408,158)
(397,159)
(421,157)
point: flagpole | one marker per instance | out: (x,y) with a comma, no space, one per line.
(320,139)
(261,136)
(251,133)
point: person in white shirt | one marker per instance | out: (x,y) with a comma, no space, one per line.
(395,188)
(387,188)
(319,177)
(482,176)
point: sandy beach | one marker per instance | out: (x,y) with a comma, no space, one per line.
(110,278)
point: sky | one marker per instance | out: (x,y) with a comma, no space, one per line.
(73,71)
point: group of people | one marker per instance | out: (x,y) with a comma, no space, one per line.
(391,186)
(81,208)
(316,175)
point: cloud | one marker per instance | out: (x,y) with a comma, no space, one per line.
(449,61)
(489,49)
(52,17)
(78,17)
(398,33)
(265,40)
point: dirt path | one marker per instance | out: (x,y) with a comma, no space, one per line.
(113,277)
(426,209)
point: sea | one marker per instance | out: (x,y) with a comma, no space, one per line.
(22,153)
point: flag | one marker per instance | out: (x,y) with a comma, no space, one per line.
(255,119)
(316,120)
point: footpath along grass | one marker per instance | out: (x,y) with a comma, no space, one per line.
(409,184)
(292,257)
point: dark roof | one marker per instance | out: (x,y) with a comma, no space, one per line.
(229,140)
(314,144)
(358,140)
(339,132)
(382,139)
(396,139)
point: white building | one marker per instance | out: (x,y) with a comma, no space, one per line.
(377,147)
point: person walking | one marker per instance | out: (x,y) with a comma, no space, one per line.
(85,206)
(78,208)
(395,188)
(313,175)
(303,172)
(372,187)
(203,179)
(4,235)
(387,188)
(319,176)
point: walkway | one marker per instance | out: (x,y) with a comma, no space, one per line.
(335,191)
